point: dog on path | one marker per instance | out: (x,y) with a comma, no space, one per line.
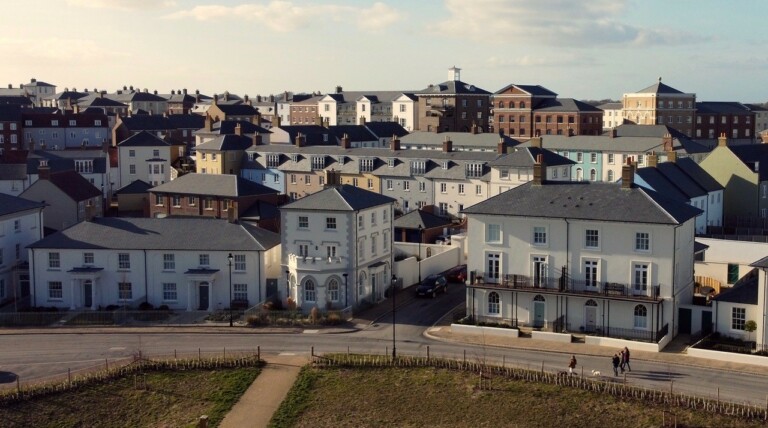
(596,373)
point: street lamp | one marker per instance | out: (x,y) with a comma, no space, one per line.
(229,263)
(394,293)
(418,259)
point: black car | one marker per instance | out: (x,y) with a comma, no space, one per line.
(431,285)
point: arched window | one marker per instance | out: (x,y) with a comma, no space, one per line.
(494,305)
(501,104)
(641,317)
(579,174)
(592,175)
(511,104)
(310,294)
(333,290)
(539,298)
(590,302)
(522,104)
(610,176)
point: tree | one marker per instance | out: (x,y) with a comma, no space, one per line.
(749,327)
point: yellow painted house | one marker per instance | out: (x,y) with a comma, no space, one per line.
(743,171)
(222,155)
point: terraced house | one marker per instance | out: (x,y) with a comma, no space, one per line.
(559,256)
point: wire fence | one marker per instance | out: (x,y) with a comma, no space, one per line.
(487,371)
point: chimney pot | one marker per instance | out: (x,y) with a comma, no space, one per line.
(722,141)
(394,143)
(627,174)
(447,145)
(536,141)
(501,147)
(539,170)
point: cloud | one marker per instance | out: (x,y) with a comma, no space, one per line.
(122,4)
(540,61)
(56,50)
(285,16)
(550,22)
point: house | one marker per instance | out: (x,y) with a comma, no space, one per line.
(10,127)
(181,263)
(208,195)
(661,104)
(611,115)
(37,90)
(21,224)
(65,130)
(420,226)
(361,107)
(147,157)
(513,169)
(743,172)
(584,257)
(734,119)
(13,178)
(211,130)
(177,129)
(337,247)
(224,110)
(133,199)
(741,303)
(69,198)
(225,153)
(454,106)
(91,163)
(140,101)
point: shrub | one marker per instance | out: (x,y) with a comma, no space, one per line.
(291,304)
(145,306)
(163,308)
(257,320)
(333,318)
(268,306)
(112,307)
(314,315)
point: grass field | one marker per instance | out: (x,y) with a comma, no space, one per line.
(170,399)
(429,397)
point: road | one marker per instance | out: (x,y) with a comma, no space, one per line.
(41,356)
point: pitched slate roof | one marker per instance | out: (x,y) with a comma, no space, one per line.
(611,106)
(744,291)
(453,87)
(237,109)
(484,140)
(427,220)
(10,113)
(136,187)
(681,180)
(721,107)
(312,133)
(15,100)
(228,127)
(156,122)
(750,154)
(565,105)
(586,201)
(261,210)
(535,90)
(697,173)
(659,88)
(13,171)
(143,139)
(64,160)
(226,142)
(161,234)
(354,132)
(74,185)
(227,185)
(386,129)
(660,183)
(525,157)
(14,204)
(762,263)
(340,198)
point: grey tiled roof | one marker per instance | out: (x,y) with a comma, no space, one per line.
(744,291)
(484,141)
(156,122)
(697,173)
(681,180)
(762,263)
(535,90)
(586,201)
(226,142)
(143,139)
(417,218)
(525,157)
(356,133)
(721,107)
(453,87)
(565,105)
(660,183)
(190,234)
(213,184)
(386,129)
(134,188)
(752,154)
(14,204)
(237,109)
(611,106)
(659,88)
(64,160)
(340,198)
(13,171)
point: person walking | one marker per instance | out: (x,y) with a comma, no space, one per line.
(572,365)
(625,360)
(616,361)
(621,360)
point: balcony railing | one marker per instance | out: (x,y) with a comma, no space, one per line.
(309,261)
(568,286)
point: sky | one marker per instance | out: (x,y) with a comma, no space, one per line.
(583,49)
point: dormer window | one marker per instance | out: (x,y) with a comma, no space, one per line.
(366,165)
(391,162)
(273,160)
(341,160)
(445,164)
(474,170)
(418,167)
(295,157)
(318,162)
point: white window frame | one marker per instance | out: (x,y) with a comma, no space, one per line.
(124,291)
(642,237)
(169,262)
(493,233)
(588,236)
(239,264)
(170,292)
(123,261)
(55,291)
(738,318)
(541,232)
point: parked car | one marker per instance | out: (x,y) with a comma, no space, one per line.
(431,285)
(457,274)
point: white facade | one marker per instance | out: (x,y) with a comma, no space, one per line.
(405,111)
(452,196)
(17,230)
(148,163)
(506,178)
(328,108)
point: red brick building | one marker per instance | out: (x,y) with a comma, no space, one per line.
(733,119)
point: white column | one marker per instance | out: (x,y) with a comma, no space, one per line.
(210,294)
(190,294)
(93,294)
(72,303)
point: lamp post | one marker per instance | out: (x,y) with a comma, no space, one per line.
(346,289)
(229,263)
(418,259)
(394,293)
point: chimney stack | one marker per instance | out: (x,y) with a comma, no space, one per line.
(722,141)
(208,123)
(43,171)
(667,140)
(394,143)
(345,141)
(612,133)
(215,99)
(627,174)
(276,121)
(238,130)
(653,160)
(536,142)
(672,156)
(257,139)
(300,140)
(447,145)
(539,170)
(501,147)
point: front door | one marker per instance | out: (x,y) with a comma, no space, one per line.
(24,284)
(87,293)
(684,315)
(203,297)
(538,313)
(590,318)
(706,322)
(590,274)
(373,286)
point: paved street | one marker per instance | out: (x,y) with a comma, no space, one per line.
(51,353)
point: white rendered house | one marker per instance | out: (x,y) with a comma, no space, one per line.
(21,223)
(592,258)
